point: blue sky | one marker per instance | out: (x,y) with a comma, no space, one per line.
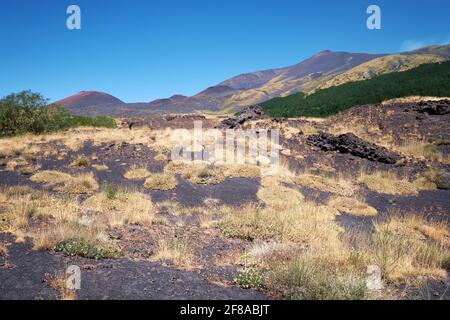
(140,50)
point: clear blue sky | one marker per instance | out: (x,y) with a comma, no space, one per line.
(139,50)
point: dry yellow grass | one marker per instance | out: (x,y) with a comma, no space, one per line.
(74,139)
(100,167)
(286,217)
(196,172)
(178,250)
(337,185)
(407,248)
(352,206)
(320,262)
(51,177)
(388,183)
(46,239)
(80,184)
(59,283)
(61,217)
(176,209)
(81,161)
(413,99)
(17,162)
(277,196)
(136,173)
(241,171)
(327,267)
(161,157)
(3,249)
(422,150)
(123,207)
(63,182)
(161,181)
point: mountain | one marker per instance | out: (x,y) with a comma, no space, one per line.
(89,98)
(323,70)
(426,80)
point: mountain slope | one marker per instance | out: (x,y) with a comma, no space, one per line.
(323,70)
(292,79)
(89,98)
(255,87)
(425,80)
(380,66)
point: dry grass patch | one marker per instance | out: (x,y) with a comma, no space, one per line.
(277,196)
(81,162)
(388,183)
(3,249)
(161,181)
(336,185)
(287,217)
(242,171)
(80,184)
(59,283)
(308,130)
(49,237)
(176,209)
(136,173)
(56,219)
(309,277)
(161,157)
(302,256)
(100,167)
(407,248)
(121,207)
(305,224)
(178,250)
(17,162)
(197,173)
(422,150)
(352,206)
(64,182)
(413,99)
(51,177)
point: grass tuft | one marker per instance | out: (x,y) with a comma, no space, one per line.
(161,181)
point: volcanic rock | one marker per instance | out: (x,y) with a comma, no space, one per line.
(349,143)
(249,113)
(438,108)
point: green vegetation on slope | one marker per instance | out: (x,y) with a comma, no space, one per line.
(28,112)
(425,80)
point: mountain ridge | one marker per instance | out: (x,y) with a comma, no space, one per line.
(322,70)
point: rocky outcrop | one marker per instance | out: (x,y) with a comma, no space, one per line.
(249,113)
(193,117)
(439,108)
(349,143)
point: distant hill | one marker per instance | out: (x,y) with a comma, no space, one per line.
(89,98)
(425,80)
(323,70)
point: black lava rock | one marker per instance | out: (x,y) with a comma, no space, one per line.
(349,143)
(249,113)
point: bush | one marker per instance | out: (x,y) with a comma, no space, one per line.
(86,249)
(29,112)
(250,278)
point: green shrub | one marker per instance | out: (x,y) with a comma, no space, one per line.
(81,161)
(29,112)
(111,191)
(86,249)
(250,278)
